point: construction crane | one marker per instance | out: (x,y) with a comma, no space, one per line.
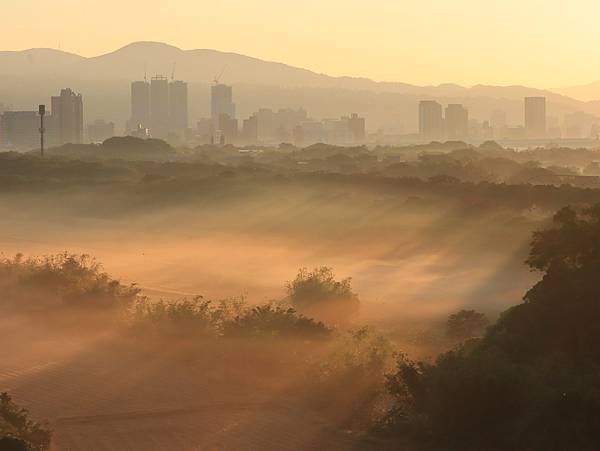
(218,77)
(173,72)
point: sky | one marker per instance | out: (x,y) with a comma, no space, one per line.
(546,44)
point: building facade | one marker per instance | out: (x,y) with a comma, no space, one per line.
(140,105)
(19,130)
(66,124)
(159,107)
(456,122)
(535,117)
(431,122)
(221,102)
(178,106)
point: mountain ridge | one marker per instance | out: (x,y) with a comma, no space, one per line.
(169,51)
(29,77)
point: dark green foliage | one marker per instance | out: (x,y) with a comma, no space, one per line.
(14,444)
(348,383)
(185,317)
(533,381)
(18,431)
(466,324)
(229,318)
(122,147)
(274,321)
(318,292)
(60,281)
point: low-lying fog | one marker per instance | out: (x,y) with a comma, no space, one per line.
(405,255)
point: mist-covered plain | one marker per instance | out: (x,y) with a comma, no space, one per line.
(223,298)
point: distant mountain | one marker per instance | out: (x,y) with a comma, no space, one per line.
(30,77)
(584,92)
(42,61)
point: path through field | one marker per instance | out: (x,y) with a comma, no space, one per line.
(99,395)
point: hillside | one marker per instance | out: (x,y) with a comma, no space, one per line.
(587,92)
(31,76)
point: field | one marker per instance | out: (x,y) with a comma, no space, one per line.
(416,251)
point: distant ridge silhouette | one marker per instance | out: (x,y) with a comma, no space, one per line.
(31,76)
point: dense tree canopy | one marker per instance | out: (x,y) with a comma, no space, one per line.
(318,292)
(533,381)
(18,431)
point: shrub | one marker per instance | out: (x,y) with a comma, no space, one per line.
(318,292)
(182,317)
(532,382)
(466,324)
(59,282)
(18,431)
(274,321)
(227,318)
(348,382)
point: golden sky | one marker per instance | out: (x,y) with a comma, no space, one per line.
(539,43)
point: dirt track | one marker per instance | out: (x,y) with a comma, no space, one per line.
(97,396)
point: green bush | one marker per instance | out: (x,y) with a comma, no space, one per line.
(274,321)
(533,381)
(348,382)
(466,324)
(228,318)
(59,282)
(18,431)
(318,292)
(181,317)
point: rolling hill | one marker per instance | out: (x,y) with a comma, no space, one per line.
(31,76)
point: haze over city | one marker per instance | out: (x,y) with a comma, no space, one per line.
(280,225)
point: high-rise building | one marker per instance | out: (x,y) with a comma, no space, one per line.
(498,119)
(205,131)
(267,124)
(312,132)
(271,123)
(535,117)
(178,106)
(250,130)
(221,102)
(100,130)
(457,122)
(159,106)
(356,125)
(67,117)
(431,123)
(228,128)
(298,135)
(20,130)
(140,105)
(336,131)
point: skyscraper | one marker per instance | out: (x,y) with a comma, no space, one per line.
(100,130)
(221,102)
(159,106)
(228,129)
(140,105)
(178,106)
(535,117)
(67,117)
(19,130)
(457,122)
(250,130)
(431,123)
(356,125)
(498,119)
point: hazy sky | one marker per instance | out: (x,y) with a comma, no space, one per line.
(545,43)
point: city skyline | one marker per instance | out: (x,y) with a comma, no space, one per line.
(410,32)
(159,109)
